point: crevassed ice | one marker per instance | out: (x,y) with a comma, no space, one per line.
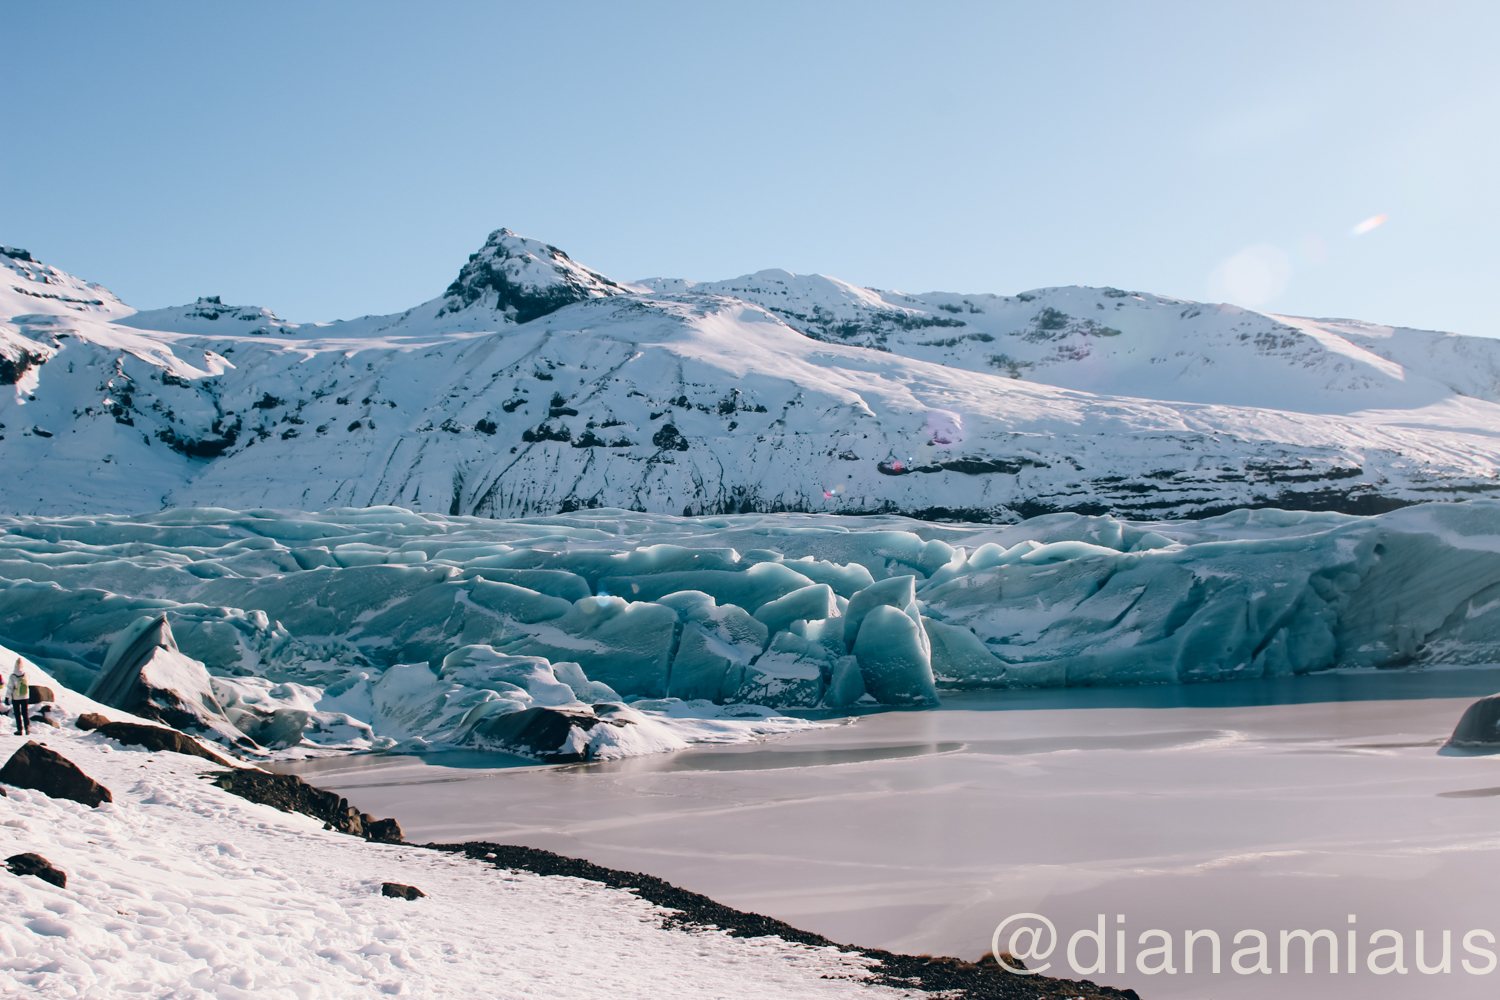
(369,627)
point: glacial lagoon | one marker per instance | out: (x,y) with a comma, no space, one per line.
(1255,804)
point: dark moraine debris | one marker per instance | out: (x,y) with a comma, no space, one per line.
(953,978)
(153,738)
(49,772)
(35,864)
(398,891)
(290,793)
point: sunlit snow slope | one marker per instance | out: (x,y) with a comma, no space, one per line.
(535,385)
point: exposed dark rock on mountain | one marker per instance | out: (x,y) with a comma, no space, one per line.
(766,393)
(527,279)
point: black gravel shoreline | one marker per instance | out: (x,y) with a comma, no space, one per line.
(954,978)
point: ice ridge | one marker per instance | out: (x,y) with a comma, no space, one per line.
(383,625)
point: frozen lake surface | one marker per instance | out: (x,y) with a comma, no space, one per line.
(1272,805)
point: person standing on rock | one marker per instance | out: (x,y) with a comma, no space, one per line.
(20,697)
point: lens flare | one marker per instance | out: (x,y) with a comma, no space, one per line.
(1373,222)
(1252,277)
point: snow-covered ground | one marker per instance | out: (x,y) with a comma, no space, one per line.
(178,889)
(1270,805)
(534,385)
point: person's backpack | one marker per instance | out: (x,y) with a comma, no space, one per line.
(23,693)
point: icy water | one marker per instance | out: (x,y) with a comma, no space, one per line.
(1273,806)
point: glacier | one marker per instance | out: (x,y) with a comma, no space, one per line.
(609,632)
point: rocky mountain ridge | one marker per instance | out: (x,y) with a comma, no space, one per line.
(535,385)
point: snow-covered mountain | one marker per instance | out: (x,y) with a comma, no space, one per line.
(536,385)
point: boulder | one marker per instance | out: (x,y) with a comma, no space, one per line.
(399,891)
(49,772)
(155,738)
(90,720)
(1479,727)
(41,694)
(35,864)
(382,831)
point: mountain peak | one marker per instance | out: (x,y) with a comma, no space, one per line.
(524,279)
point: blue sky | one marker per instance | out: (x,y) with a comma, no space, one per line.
(330,160)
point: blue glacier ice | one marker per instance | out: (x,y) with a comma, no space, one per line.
(378,626)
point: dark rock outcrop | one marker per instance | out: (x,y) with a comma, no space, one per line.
(1479,727)
(526,278)
(49,772)
(35,864)
(399,891)
(538,732)
(90,720)
(290,793)
(155,738)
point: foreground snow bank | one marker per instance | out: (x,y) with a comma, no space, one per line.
(177,888)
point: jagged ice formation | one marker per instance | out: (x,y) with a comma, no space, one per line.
(371,626)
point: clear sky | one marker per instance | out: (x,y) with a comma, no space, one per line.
(331,160)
